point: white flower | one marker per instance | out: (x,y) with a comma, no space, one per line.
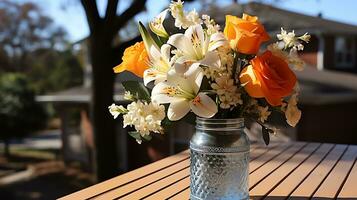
(160,64)
(225,101)
(116,110)
(144,117)
(181,91)
(291,41)
(292,112)
(306,37)
(223,85)
(263,113)
(211,25)
(156,25)
(196,46)
(182,18)
(129,96)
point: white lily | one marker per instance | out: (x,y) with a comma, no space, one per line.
(197,46)
(159,62)
(157,26)
(182,93)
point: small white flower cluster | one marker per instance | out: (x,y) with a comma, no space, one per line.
(211,25)
(144,117)
(290,40)
(264,113)
(226,63)
(182,18)
(227,92)
(116,110)
(129,96)
(292,112)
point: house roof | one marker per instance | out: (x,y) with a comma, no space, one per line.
(79,94)
(273,18)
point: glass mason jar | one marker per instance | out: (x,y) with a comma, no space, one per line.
(219,160)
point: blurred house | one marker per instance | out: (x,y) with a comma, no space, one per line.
(328,93)
(333,44)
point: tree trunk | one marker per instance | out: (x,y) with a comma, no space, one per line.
(106,156)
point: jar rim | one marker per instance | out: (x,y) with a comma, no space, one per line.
(219,121)
(219,124)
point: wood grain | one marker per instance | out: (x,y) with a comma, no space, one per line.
(295,170)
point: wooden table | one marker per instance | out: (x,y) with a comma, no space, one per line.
(296,170)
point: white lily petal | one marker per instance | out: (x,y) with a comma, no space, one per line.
(153,75)
(195,34)
(216,40)
(203,106)
(180,81)
(164,93)
(178,110)
(211,59)
(181,68)
(165,51)
(195,76)
(181,42)
(154,52)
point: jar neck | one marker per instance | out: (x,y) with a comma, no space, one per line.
(205,124)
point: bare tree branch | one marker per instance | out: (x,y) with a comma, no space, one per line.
(111,10)
(122,46)
(91,10)
(136,7)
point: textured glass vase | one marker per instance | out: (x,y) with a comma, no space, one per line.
(219,160)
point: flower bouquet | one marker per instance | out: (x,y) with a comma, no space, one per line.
(195,69)
(198,69)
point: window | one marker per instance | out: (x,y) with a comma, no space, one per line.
(345,52)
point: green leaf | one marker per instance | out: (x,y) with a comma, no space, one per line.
(148,40)
(266,136)
(135,135)
(147,137)
(137,88)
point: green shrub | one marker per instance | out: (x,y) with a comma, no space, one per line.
(19,113)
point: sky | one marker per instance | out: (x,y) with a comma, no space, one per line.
(70,15)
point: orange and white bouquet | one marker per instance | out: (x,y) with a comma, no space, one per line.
(195,69)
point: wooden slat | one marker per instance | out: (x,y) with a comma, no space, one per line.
(157,186)
(333,182)
(349,188)
(279,174)
(311,183)
(261,150)
(143,182)
(170,191)
(287,186)
(268,155)
(265,170)
(184,195)
(126,178)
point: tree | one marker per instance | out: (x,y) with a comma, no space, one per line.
(104,55)
(24,29)
(19,113)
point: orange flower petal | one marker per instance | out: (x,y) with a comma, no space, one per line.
(252,84)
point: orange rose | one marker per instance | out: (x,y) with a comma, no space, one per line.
(270,77)
(135,60)
(245,34)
